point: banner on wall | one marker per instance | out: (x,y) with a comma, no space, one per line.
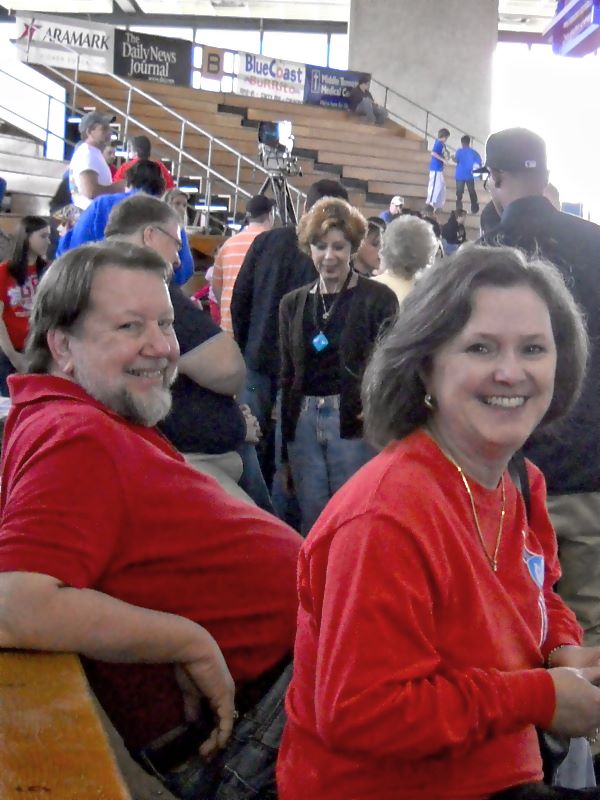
(329,87)
(44,40)
(213,62)
(575,30)
(271,78)
(160,59)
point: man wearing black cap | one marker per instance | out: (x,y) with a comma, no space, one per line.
(89,174)
(570,457)
(228,262)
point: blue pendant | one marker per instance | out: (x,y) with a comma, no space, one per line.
(320,342)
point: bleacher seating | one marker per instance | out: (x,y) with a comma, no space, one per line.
(373,162)
(52,744)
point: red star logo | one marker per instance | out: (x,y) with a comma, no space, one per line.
(29,31)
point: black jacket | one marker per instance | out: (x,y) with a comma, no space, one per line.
(569,456)
(274,265)
(454,231)
(372,305)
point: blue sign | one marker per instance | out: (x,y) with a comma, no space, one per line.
(329,87)
(575,30)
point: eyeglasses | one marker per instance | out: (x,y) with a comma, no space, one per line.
(175,239)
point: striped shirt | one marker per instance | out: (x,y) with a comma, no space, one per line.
(228,263)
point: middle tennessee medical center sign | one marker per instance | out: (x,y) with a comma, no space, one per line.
(271,78)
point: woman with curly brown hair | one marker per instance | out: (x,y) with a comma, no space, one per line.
(327,331)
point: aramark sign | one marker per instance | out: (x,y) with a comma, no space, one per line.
(65,43)
(153,58)
(260,76)
(575,30)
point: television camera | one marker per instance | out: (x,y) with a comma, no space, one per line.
(275,145)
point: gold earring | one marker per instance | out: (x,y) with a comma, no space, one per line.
(428,400)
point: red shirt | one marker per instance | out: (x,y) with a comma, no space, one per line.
(17,301)
(99,502)
(120,173)
(418,670)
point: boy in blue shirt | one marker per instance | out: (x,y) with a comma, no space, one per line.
(466,160)
(436,191)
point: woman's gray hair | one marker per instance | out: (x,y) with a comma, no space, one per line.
(64,292)
(409,244)
(437,309)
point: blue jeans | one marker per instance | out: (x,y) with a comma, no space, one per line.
(374,113)
(320,460)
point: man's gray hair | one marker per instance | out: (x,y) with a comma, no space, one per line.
(64,293)
(138,212)
(408,245)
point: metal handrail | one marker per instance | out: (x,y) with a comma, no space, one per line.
(428,115)
(49,97)
(185,124)
(210,172)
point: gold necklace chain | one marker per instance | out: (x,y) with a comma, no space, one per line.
(492,560)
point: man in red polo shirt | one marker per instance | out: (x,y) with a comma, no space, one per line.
(110,544)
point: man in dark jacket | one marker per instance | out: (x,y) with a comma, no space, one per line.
(569,457)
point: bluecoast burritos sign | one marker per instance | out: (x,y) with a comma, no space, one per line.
(575,30)
(329,87)
(141,56)
(66,43)
(271,78)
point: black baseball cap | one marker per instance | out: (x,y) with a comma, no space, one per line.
(514,150)
(259,205)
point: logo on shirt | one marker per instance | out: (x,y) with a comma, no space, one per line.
(536,568)
(20,298)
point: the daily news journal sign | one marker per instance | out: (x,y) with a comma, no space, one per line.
(67,43)
(575,30)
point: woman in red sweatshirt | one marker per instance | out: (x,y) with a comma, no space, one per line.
(430,641)
(19,277)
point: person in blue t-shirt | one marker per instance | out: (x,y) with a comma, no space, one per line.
(436,191)
(467,160)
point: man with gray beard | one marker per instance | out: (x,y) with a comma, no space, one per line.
(111,545)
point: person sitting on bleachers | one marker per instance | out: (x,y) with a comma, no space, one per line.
(170,588)
(144,177)
(362,104)
(89,174)
(141,150)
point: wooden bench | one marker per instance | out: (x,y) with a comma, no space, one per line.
(52,744)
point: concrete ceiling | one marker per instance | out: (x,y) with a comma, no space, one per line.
(520,16)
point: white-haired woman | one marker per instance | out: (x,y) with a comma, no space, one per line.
(409,245)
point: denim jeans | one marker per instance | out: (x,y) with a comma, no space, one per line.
(374,113)
(320,460)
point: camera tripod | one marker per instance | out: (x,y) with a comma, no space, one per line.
(277,183)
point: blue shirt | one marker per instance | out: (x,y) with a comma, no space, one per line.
(91,224)
(435,165)
(466,159)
